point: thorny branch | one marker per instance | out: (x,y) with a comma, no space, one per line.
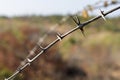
(89,8)
(80,26)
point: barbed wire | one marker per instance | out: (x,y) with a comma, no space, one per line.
(27,62)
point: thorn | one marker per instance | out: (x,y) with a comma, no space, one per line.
(83,32)
(102,14)
(79,23)
(59,37)
(41,47)
(76,21)
(29,61)
(58,34)
(19,70)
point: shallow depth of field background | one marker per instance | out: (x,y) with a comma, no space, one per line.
(94,57)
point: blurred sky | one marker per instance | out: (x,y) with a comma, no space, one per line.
(42,7)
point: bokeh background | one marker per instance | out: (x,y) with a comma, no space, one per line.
(93,57)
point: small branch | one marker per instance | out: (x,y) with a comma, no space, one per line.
(59,38)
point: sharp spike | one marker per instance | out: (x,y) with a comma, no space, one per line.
(29,61)
(59,36)
(83,32)
(40,46)
(78,20)
(102,14)
(74,20)
(19,69)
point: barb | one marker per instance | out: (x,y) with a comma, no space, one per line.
(59,38)
(77,21)
(53,28)
(102,14)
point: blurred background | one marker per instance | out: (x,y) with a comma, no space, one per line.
(94,57)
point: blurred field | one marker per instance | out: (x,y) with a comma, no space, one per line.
(94,57)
